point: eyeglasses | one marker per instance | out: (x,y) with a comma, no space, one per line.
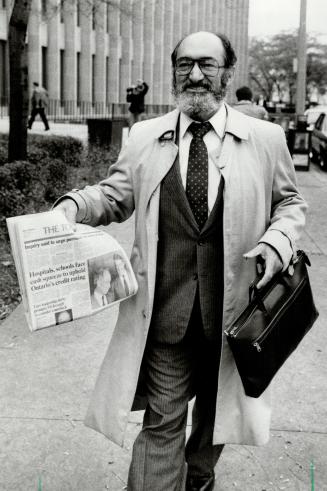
(208,66)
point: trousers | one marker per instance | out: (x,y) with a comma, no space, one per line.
(34,113)
(175,373)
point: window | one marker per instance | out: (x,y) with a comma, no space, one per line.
(62,12)
(93,16)
(107,80)
(44,67)
(3,63)
(93,79)
(62,67)
(324,125)
(78,78)
(78,13)
(44,9)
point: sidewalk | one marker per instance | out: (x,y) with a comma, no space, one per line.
(47,378)
(58,129)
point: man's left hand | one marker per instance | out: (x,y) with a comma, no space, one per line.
(272,262)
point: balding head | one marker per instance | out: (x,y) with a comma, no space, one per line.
(203,66)
(212,39)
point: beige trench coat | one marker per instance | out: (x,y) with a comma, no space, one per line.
(261,202)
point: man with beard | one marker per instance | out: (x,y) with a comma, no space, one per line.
(211,188)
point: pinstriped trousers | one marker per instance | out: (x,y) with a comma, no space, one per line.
(174,374)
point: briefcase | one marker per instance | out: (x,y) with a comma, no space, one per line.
(269,329)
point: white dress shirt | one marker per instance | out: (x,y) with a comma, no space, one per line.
(101,299)
(213,141)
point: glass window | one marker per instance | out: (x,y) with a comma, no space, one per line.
(324,125)
(62,67)
(44,67)
(78,13)
(78,78)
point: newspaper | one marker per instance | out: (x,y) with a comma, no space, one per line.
(64,273)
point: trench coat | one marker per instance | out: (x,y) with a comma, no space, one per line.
(261,203)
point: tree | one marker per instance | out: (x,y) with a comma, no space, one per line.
(18,72)
(18,68)
(271,65)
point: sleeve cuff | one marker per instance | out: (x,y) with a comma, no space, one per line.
(75,196)
(281,243)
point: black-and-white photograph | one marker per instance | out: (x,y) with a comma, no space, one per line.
(64,316)
(171,156)
(109,279)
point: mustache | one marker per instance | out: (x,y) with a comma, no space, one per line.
(202,85)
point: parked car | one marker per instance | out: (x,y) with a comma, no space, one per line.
(313,113)
(319,141)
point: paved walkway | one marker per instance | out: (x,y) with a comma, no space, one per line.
(59,129)
(47,378)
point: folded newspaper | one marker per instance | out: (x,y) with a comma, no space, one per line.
(65,274)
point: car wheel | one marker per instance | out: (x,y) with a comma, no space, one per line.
(322,160)
(313,156)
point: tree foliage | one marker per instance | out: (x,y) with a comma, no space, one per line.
(271,64)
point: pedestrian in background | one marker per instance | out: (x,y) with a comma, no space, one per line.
(245,104)
(211,188)
(135,95)
(39,102)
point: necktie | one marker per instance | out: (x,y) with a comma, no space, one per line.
(104,300)
(197,173)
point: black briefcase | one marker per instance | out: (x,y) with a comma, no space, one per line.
(272,325)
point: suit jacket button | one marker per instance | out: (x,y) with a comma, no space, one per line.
(200,243)
(144,313)
(195,276)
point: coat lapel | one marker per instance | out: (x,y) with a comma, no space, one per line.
(164,153)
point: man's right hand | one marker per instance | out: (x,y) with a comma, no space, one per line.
(70,209)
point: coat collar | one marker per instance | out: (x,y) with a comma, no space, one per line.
(236,124)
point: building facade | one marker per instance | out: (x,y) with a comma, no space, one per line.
(90,51)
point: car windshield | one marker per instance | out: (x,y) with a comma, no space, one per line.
(313,113)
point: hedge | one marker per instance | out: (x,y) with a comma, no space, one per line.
(55,165)
(65,148)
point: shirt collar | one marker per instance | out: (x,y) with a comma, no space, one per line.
(218,122)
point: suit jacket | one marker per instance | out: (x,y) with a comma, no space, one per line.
(110,298)
(261,202)
(121,290)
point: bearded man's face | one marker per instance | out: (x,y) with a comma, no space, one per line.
(198,98)
(200,92)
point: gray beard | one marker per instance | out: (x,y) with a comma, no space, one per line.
(195,104)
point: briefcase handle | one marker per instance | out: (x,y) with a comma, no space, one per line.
(257,295)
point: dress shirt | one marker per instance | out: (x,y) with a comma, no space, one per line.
(101,299)
(213,141)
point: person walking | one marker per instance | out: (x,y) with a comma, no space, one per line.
(39,102)
(135,95)
(246,106)
(212,189)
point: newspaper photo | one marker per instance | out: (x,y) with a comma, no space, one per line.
(63,273)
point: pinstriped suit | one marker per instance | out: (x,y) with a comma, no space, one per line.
(182,353)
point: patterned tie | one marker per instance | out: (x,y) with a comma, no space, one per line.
(197,173)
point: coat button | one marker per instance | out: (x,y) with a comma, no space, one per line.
(201,243)
(144,313)
(195,276)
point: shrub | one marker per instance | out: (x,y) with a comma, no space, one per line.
(39,147)
(55,165)
(55,174)
(20,190)
(65,148)
(99,159)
